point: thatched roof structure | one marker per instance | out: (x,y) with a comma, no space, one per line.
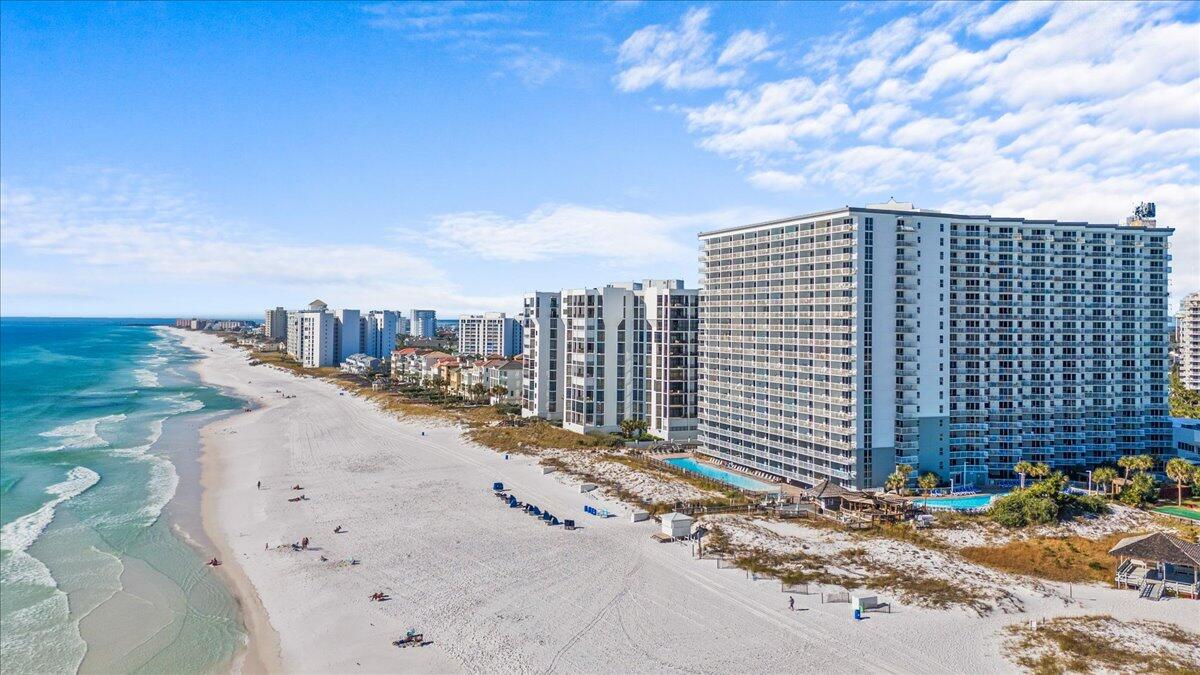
(826,490)
(1160,547)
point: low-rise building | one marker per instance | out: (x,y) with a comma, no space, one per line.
(361,364)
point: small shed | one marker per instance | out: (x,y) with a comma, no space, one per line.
(677,525)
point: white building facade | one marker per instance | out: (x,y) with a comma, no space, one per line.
(543,372)
(490,334)
(1187,323)
(624,351)
(839,344)
(312,336)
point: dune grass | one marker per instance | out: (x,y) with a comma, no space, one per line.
(1071,559)
(1103,644)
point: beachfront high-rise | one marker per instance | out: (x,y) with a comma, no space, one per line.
(597,356)
(544,336)
(1187,323)
(423,323)
(379,330)
(275,324)
(312,336)
(490,334)
(838,344)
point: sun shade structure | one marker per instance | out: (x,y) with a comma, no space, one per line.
(1158,562)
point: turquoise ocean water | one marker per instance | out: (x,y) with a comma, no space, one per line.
(98,420)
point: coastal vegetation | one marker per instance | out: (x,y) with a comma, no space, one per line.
(1071,559)
(1046,501)
(1103,644)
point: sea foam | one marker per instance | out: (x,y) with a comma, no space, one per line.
(22,532)
(82,433)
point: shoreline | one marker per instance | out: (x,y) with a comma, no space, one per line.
(260,653)
(496,591)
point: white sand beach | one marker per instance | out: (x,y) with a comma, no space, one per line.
(497,591)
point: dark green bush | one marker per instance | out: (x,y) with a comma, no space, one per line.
(1142,489)
(1043,502)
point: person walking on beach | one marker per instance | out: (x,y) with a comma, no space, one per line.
(304,543)
(260,485)
(792,602)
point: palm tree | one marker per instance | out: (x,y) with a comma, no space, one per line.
(1181,471)
(895,482)
(1143,463)
(1024,469)
(1104,475)
(927,482)
(1135,463)
(1039,470)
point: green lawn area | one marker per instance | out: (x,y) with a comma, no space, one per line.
(1181,511)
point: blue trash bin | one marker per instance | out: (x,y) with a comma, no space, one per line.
(857,614)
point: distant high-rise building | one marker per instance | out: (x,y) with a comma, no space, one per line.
(275,324)
(423,323)
(379,333)
(598,356)
(490,334)
(348,332)
(311,336)
(839,344)
(1187,323)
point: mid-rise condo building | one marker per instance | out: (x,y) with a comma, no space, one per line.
(597,356)
(490,334)
(423,323)
(275,324)
(312,336)
(1187,325)
(839,344)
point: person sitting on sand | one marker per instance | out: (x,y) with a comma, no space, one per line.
(297,487)
(337,530)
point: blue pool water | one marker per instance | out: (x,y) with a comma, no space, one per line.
(960,503)
(734,479)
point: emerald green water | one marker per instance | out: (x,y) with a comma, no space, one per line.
(97,417)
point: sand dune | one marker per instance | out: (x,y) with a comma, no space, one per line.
(496,590)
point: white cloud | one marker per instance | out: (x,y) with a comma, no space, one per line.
(684,57)
(533,66)
(1046,110)
(566,231)
(745,46)
(117,226)
(779,181)
(924,132)
(1011,16)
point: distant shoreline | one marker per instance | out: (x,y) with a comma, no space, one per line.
(260,654)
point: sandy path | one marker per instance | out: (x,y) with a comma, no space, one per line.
(496,590)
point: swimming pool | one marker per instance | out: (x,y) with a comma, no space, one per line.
(735,479)
(959,503)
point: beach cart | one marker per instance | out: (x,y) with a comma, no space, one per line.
(569,524)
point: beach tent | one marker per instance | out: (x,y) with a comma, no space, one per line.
(676,525)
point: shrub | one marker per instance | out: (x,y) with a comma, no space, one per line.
(1044,502)
(1140,491)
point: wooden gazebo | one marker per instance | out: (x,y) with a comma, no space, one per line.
(1158,562)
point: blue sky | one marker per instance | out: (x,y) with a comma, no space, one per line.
(217,158)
